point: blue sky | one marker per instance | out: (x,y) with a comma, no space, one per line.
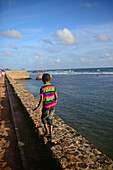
(55,34)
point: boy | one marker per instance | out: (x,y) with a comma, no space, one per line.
(48,96)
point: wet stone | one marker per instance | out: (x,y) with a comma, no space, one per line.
(72,132)
(82,157)
(108,162)
(64,162)
(82,165)
(76,153)
(72,158)
(93,166)
(70,152)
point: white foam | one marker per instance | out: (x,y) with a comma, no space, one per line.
(78,73)
(74,72)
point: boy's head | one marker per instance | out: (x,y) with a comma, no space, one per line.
(46,78)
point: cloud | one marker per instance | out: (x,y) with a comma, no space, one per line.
(36,56)
(53,50)
(65,36)
(103,37)
(110,56)
(9,2)
(8,53)
(58,60)
(39,55)
(12,34)
(53,60)
(47,41)
(30,60)
(13,46)
(82,59)
(87,5)
(107,54)
(31,30)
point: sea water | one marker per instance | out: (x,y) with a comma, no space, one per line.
(85,102)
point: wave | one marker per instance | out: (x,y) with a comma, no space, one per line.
(102,71)
(78,73)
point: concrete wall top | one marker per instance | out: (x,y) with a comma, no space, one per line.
(18,74)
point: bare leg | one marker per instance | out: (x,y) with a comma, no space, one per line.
(46,127)
(51,129)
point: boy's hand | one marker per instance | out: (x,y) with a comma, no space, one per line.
(34,110)
(56,101)
(40,102)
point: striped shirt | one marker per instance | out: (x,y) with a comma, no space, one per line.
(48,92)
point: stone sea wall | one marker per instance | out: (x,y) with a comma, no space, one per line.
(19,74)
(71,149)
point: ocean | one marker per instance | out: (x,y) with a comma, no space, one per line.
(85,102)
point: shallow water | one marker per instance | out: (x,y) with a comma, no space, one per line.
(85,103)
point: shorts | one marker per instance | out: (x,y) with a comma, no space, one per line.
(47,115)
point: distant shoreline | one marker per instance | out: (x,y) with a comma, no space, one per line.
(60,69)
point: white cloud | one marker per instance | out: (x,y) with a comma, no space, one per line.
(110,56)
(107,55)
(103,37)
(65,36)
(36,56)
(82,59)
(39,55)
(12,34)
(58,60)
(13,46)
(30,60)
(8,53)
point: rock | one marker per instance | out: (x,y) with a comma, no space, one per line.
(39,71)
(40,77)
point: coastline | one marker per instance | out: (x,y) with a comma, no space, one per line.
(69,147)
(85,103)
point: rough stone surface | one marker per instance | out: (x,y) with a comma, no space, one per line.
(20,74)
(71,149)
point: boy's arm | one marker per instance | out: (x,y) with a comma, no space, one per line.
(56,97)
(40,103)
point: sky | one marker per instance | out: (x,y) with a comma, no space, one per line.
(56,34)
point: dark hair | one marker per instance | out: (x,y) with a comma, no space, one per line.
(46,77)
